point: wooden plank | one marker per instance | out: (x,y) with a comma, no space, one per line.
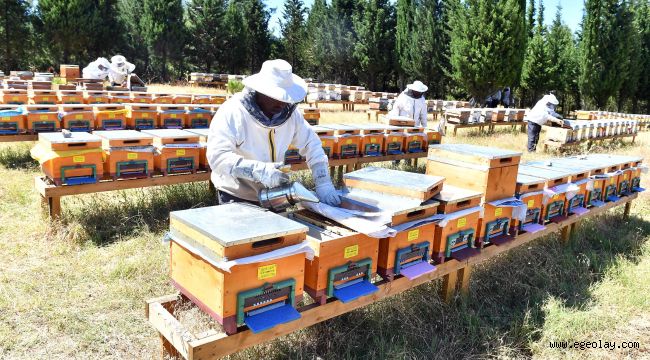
(21,137)
(170,329)
(448,288)
(464,275)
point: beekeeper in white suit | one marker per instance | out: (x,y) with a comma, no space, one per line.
(411,103)
(121,73)
(97,69)
(252,130)
(540,114)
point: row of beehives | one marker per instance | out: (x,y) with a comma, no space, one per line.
(483,115)
(24,97)
(34,119)
(604,115)
(209,77)
(245,265)
(73,158)
(595,129)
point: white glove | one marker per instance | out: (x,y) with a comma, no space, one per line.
(264,173)
(324,189)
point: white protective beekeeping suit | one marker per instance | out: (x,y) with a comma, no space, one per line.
(120,69)
(406,105)
(543,110)
(97,69)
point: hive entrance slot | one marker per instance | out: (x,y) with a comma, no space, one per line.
(267,242)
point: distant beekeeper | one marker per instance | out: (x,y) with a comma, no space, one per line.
(539,115)
(97,70)
(252,130)
(121,73)
(411,103)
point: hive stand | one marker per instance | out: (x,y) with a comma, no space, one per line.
(550,145)
(489,125)
(180,343)
(347,105)
(18,137)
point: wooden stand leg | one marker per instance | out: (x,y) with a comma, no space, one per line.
(566,234)
(212,189)
(168,350)
(340,174)
(368,116)
(455,129)
(448,286)
(464,275)
(53,207)
(626,211)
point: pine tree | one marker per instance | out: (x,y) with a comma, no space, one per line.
(236,40)
(135,50)
(256,17)
(343,39)
(374,27)
(405,10)
(15,35)
(205,26)
(540,16)
(642,20)
(294,34)
(486,40)
(628,34)
(319,42)
(163,32)
(536,72)
(530,16)
(564,65)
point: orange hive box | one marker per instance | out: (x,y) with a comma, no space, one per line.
(69,71)
(328,141)
(70,97)
(433,137)
(344,263)
(203,138)
(17,97)
(128,154)
(348,140)
(395,182)
(414,140)
(202,99)
(177,151)
(43,97)
(110,116)
(456,233)
(163,98)
(554,202)
(142,116)
(77,117)
(496,224)
(396,120)
(96,97)
(372,140)
(172,116)
(491,171)
(119,97)
(12,120)
(312,115)
(626,169)
(182,99)
(530,190)
(42,118)
(141,97)
(578,203)
(394,140)
(69,160)
(197,117)
(260,292)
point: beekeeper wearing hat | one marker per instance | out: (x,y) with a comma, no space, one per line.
(121,73)
(97,69)
(252,130)
(411,103)
(540,114)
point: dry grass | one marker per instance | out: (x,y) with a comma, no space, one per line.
(76,289)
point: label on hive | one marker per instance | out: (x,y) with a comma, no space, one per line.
(98,99)
(413,234)
(111,116)
(323,143)
(373,140)
(531,203)
(597,184)
(395,139)
(556,196)
(43,117)
(132,156)
(15,98)
(498,212)
(351,251)
(461,222)
(200,116)
(348,141)
(625,176)
(145,115)
(180,152)
(45,98)
(78,117)
(173,116)
(78,159)
(265,272)
(611,181)
(6,118)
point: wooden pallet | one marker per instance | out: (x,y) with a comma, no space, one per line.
(550,145)
(489,126)
(180,343)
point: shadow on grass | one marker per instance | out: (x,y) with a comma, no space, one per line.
(501,316)
(104,218)
(17,156)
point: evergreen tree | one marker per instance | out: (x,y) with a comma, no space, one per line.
(343,39)
(319,42)
(205,25)
(236,40)
(135,50)
(163,32)
(15,35)
(294,34)
(256,17)
(486,40)
(540,16)
(405,10)
(628,34)
(373,50)
(564,65)
(536,72)
(642,20)
(530,17)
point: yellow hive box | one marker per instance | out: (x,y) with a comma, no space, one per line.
(142,116)
(42,118)
(110,116)
(128,154)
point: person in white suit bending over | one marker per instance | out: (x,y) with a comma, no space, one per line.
(411,103)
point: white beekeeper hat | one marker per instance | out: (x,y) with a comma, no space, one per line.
(417,86)
(103,62)
(276,80)
(118,59)
(551,99)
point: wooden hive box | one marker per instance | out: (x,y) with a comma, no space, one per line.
(312,115)
(16,97)
(488,170)
(458,116)
(182,99)
(201,99)
(40,85)
(558,134)
(142,116)
(397,120)
(495,225)
(433,137)
(455,236)
(69,71)
(328,141)
(70,97)
(530,191)
(42,118)
(627,166)
(348,140)
(585,115)
(48,97)
(12,121)
(172,116)
(372,140)
(163,98)
(554,207)
(119,97)
(580,177)
(394,140)
(395,182)
(96,97)
(409,251)
(141,97)
(344,263)
(415,140)
(253,291)
(178,151)
(203,149)
(128,154)
(72,160)
(110,116)
(197,117)
(77,117)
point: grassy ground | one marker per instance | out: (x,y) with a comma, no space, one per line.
(76,289)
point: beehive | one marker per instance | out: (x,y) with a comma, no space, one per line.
(142,116)
(328,141)
(496,224)
(203,99)
(488,170)
(96,97)
(395,182)
(433,137)
(414,140)
(372,140)
(393,140)
(251,292)
(627,167)
(530,192)
(77,117)
(554,206)
(397,120)
(16,97)
(43,97)
(163,98)
(558,134)
(172,116)
(69,71)
(110,116)
(347,140)
(344,261)
(198,117)
(177,151)
(72,160)
(12,121)
(42,118)
(579,177)
(203,138)
(455,236)
(128,154)
(70,97)
(182,99)
(312,115)
(141,97)
(458,116)
(119,97)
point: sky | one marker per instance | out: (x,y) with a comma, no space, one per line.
(571,12)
